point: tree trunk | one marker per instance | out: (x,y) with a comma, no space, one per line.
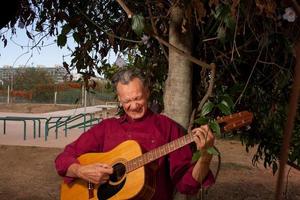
(177,95)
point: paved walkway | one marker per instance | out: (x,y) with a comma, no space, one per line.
(15,129)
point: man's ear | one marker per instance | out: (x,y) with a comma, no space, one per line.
(147,92)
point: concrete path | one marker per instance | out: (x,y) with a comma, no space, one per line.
(15,129)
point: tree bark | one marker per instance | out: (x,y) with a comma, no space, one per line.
(178,88)
(177,95)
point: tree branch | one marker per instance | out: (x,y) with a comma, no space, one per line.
(188,56)
(109,34)
(297,167)
(155,30)
(296,6)
(210,87)
(204,99)
(125,8)
(242,93)
(161,41)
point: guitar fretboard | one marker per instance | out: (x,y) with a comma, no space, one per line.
(158,152)
(230,122)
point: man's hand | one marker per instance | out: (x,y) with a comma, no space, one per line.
(204,138)
(96,173)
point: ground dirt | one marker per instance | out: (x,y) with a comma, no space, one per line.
(28,173)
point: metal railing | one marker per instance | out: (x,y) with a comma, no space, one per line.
(24,119)
(53,122)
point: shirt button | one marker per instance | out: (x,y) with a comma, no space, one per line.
(152,141)
(129,136)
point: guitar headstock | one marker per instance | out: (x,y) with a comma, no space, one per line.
(236,120)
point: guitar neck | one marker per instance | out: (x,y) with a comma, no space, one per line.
(227,123)
(158,152)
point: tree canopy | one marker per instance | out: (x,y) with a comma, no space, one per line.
(250,42)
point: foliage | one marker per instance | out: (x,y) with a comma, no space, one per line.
(30,79)
(250,42)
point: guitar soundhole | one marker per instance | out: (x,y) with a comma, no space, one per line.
(118,173)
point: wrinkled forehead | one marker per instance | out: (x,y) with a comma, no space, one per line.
(126,76)
(132,85)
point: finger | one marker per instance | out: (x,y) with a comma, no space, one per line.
(105,176)
(201,134)
(94,180)
(103,181)
(104,165)
(105,168)
(203,140)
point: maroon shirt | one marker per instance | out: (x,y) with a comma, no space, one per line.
(152,131)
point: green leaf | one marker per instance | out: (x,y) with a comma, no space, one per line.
(201,121)
(212,151)
(221,12)
(228,101)
(221,34)
(138,24)
(215,127)
(207,108)
(229,22)
(61,40)
(76,37)
(66,29)
(224,108)
(196,156)
(274,167)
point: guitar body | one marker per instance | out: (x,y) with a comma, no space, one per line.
(130,185)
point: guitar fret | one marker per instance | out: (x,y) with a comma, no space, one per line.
(176,144)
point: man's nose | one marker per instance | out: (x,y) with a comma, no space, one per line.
(134,106)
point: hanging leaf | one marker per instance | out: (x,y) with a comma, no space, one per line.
(76,37)
(196,156)
(138,24)
(66,29)
(221,34)
(201,121)
(61,40)
(224,108)
(212,151)
(226,98)
(28,34)
(207,108)
(229,21)
(5,42)
(215,127)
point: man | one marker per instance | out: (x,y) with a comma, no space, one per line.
(150,130)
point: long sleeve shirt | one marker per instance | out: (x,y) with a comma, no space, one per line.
(151,131)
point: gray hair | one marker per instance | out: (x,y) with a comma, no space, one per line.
(124,76)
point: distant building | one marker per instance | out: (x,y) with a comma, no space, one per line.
(6,74)
(58,73)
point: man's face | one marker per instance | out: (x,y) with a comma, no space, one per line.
(134,98)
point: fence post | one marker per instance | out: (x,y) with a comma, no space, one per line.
(55,97)
(8,94)
(82,95)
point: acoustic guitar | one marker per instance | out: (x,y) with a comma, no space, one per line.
(133,174)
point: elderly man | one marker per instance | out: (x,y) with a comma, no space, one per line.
(150,130)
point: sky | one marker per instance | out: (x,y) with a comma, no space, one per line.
(14,55)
